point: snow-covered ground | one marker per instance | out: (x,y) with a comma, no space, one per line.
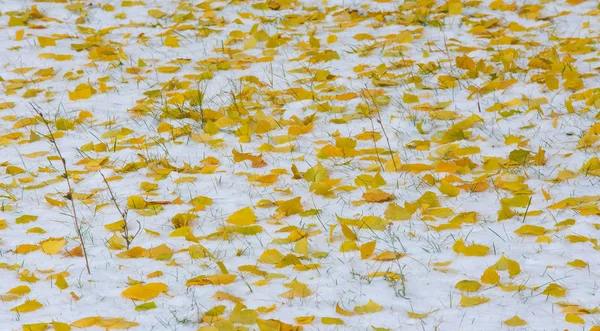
(291,164)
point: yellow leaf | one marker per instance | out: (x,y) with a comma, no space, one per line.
(53,245)
(6,105)
(305,319)
(182,220)
(35,154)
(410,98)
(74,296)
(476,250)
(533,230)
(116,226)
(274,325)
(19,35)
(490,276)
(348,143)
(80,93)
(505,263)
(46,41)
(152,233)
(155,13)
(28,306)
(148,187)
(116,323)
(167,70)
(242,217)
(135,252)
(297,290)
(270,256)
(242,315)
(348,246)
(366,249)
(250,43)
(396,213)
(54,202)
(372,223)
(19,290)
(86,322)
(467,301)
(76,251)
(248,230)
(331,321)
(342,311)
(26,248)
(144,292)
(472,250)
(574,318)
(428,200)
(368,308)
(317,173)
(61,282)
(36,229)
(9,297)
(468,285)
(181,180)
(521,201)
(576,238)
(376,195)
(543,239)
(348,233)
(226,296)
(171,41)
(216,311)
(404,37)
(388,256)
(35,327)
(555,290)
(197,251)
(161,253)
(515,321)
(455,7)
(447,82)
(417,315)
(27,121)
(136,202)
(577,264)
(290,207)
(566,223)
(264,180)
(265,310)
(13,170)
(448,189)
(56,57)
(301,247)
(221,279)
(551,82)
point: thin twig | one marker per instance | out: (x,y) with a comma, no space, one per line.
(123,214)
(526,210)
(69,195)
(380,122)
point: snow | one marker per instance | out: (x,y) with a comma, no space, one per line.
(342,277)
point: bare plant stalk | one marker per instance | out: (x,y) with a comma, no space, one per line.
(123,213)
(379,121)
(69,195)
(375,142)
(386,138)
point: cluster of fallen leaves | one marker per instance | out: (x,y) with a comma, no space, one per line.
(288,163)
